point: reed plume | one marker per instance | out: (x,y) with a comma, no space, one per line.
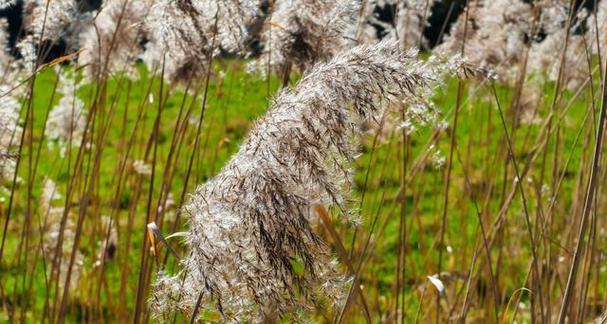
(10,133)
(184,34)
(492,41)
(67,120)
(48,20)
(411,18)
(108,246)
(10,108)
(6,3)
(300,33)
(251,223)
(52,215)
(46,23)
(597,24)
(6,60)
(541,29)
(112,40)
(561,37)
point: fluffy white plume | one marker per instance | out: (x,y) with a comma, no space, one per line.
(10,107)
(300,33)
(411,20)
(6,60)
(185,33)
(111,42)
(545,55)
(495,35)
(6,3)
(10,133)
(47,22)
(253,221)
(48,19)
(408,26)
(67,121)
(599,24)
(501,41)
(52,215)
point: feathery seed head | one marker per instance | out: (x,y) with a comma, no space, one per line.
(184,34)
(253,222)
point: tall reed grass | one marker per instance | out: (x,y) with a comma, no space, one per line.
(301,160)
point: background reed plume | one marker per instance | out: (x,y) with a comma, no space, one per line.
(410,21)
(112,40)
(6,3)
(524,38)
(183,34)
(10,107)
(58,240)
(492,41)
(299,33)
(66,122)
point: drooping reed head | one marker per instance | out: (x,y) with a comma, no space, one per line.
(253,223)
